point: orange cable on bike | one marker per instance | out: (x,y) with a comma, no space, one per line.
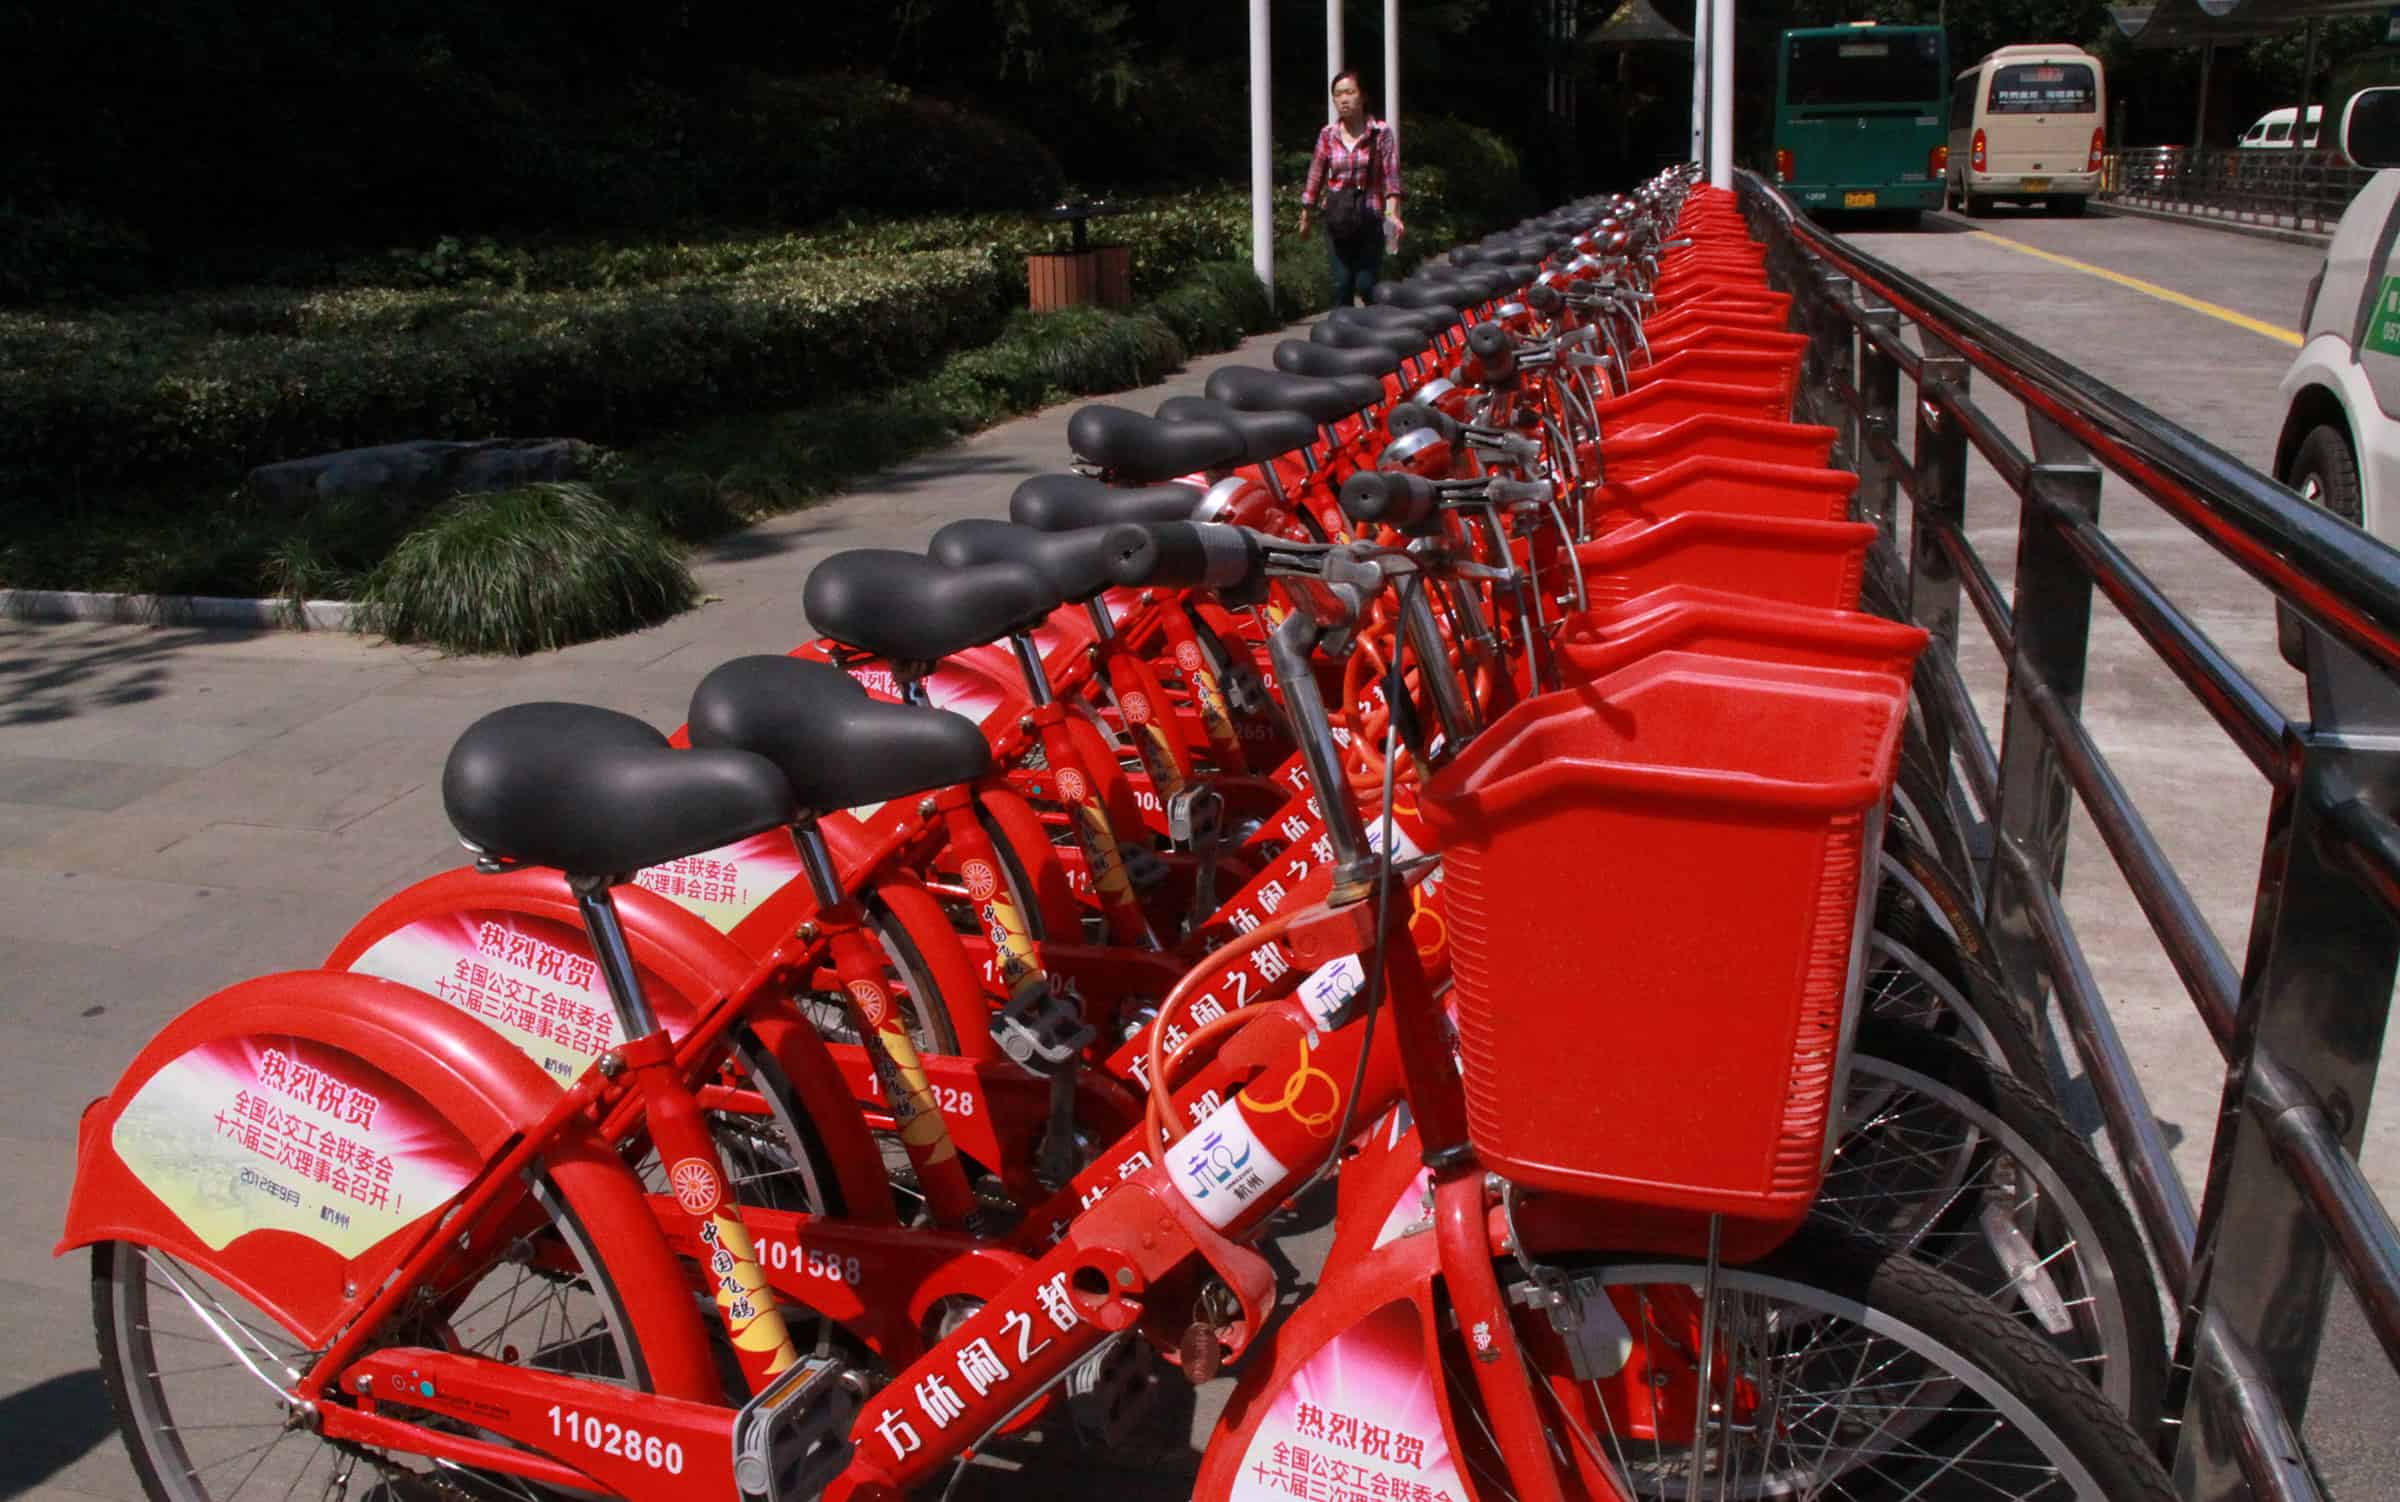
(1160,1110)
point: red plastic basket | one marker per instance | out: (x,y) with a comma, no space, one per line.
(1685,618)
(1662,404)
(1727,367)
(1631,455)
(1743,335)
(1662,1026)
(1734,487)
(1817,564)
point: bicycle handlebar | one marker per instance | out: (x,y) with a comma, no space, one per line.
(1390,499)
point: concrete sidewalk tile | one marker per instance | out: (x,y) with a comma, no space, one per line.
(27,824)
(70,783)
(104,910)
(264,857)
(123,842)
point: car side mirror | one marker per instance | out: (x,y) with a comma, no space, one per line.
(2371,128)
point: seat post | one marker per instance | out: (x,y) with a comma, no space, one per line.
(635,1019)
(816,858)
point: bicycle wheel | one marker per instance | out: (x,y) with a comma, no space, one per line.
(1918,973)
(1838,1371)
(195,1370)
(1949,1160)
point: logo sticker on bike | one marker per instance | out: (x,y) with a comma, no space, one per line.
(1071,786)
(1137,708)
(872,1002)
(284,1134)
(695,1184)
(1187,656)
(726,885)
(1221,1166)
(982,881)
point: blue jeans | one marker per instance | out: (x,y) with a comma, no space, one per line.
(1354,269)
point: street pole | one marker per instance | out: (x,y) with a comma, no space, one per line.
(1700,81)
(1391,64)
(1262,157)
(1720,95)
(1333,54)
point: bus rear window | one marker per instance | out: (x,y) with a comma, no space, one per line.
(1863,68)
(2043,89)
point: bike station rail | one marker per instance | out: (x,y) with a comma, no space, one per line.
(2301,1022)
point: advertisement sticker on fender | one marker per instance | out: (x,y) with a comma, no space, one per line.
(258,1134)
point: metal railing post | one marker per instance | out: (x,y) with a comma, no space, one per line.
(1941,459)
(2316,997)
(2052,613)
(1879,390)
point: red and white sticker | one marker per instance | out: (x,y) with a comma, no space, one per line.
(871,1001)
(694,1181)
(1071,786)
(1137,708)
(1187,656)
(982,881)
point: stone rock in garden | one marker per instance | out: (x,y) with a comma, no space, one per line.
(424,469)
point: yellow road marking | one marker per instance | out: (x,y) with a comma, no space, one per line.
(2163,294)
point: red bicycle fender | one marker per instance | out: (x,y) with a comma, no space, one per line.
(1362,1348)
(449,1096)
(673,947)
(1014,820)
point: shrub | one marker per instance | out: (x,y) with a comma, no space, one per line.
(220,385)
(527,570)
(1483,183)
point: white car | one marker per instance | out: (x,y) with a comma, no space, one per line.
(2340,445)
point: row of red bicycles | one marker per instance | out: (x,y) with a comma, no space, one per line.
(1444,787)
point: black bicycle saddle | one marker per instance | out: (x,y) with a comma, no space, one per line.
(1138,450)
(836,746)
(1299,357)
(1069,562)
(1063,503)
(905,607)
(592,792)
(1323,399)
(1265,435)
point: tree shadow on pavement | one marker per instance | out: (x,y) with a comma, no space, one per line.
(55,673)
(50,1426)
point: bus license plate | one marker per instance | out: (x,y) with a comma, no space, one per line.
(1858,200)
(2036,185)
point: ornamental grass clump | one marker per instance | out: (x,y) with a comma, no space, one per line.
(527,570)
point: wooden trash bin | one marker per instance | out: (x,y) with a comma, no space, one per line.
(1102,275)
(1085,274)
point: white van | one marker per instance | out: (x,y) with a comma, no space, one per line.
(2272,131)
(2025,124)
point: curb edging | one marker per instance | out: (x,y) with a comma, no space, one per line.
(173,610)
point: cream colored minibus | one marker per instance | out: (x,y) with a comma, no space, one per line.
(2025,125)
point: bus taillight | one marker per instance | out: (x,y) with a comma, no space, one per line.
(1975,156)
(1937,161)
(1783,164)
(2099,138)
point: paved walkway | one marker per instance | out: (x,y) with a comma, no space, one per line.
(182,808)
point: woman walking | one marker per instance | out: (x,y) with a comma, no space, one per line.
(1356,174)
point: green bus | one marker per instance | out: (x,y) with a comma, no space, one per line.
(1859,116)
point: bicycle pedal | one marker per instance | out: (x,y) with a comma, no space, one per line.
(1042,1031)
(1110,1393)
(792,1441)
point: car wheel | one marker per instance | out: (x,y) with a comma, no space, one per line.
(2325,473)
(1975,203)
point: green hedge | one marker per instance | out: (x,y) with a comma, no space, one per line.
(216,385)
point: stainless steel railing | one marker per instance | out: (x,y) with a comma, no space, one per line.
(2289,188)
(2300,1023)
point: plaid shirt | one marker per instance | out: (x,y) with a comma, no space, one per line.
(1374,162)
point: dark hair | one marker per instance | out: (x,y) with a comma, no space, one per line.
(1352,75)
